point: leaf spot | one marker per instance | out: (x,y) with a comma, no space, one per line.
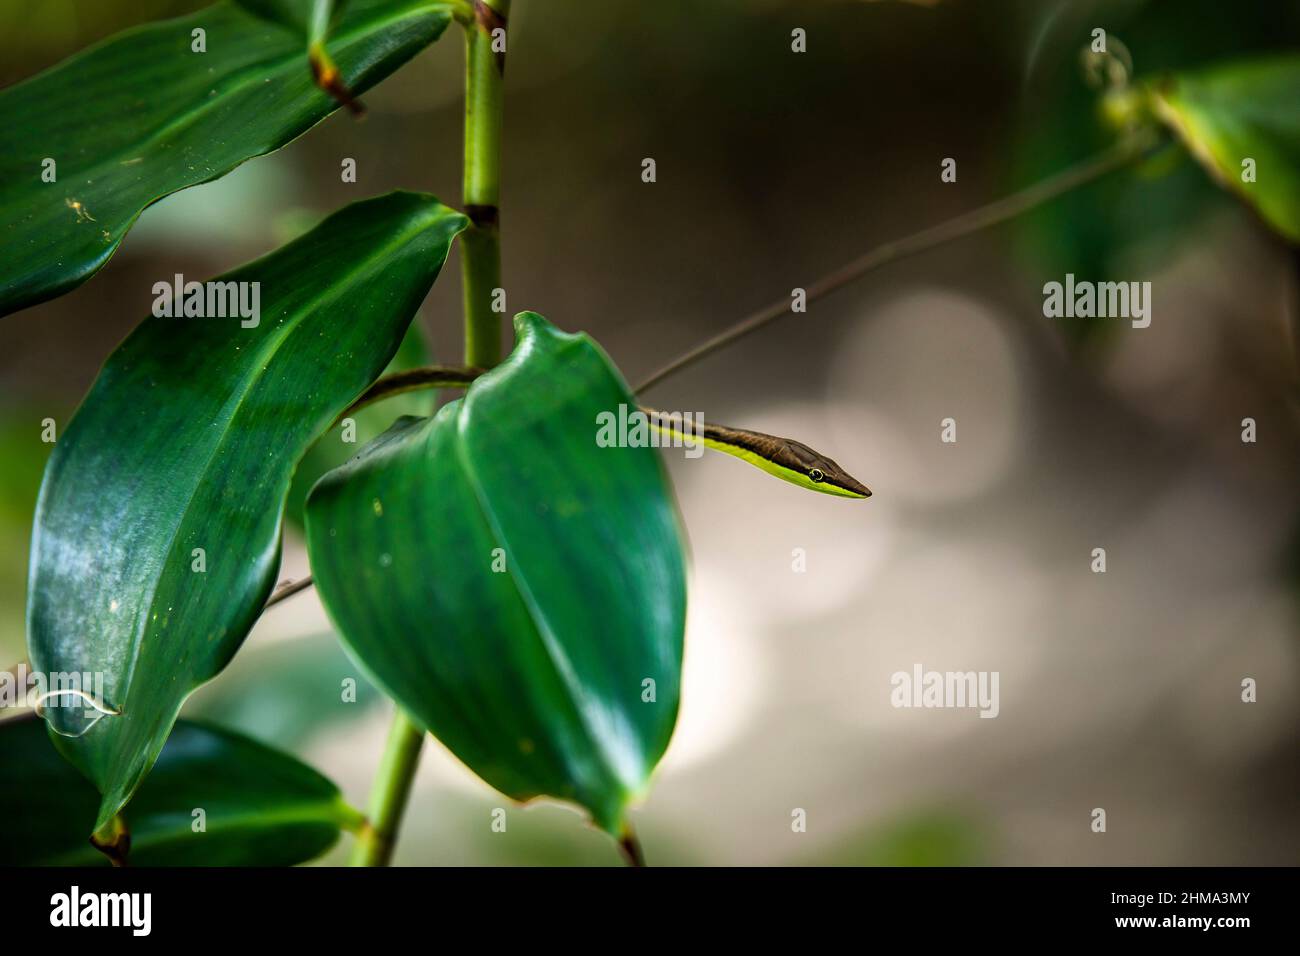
(83,214)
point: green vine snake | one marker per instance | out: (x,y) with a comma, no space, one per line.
(785,458)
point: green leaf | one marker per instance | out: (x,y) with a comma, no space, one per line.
(260,807)
(314,19)
(512,584)
(332,450)
(188,440)
(141,116)
(1247,110)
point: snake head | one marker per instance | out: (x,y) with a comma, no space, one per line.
(816,471)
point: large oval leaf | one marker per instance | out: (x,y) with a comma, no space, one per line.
(513,585)
(1244,111)
(178,118)
(260,807)
(158,526)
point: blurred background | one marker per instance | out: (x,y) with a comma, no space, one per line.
(1119,690)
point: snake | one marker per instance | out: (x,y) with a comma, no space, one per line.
(785,458)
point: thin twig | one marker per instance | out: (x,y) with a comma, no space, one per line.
(992,214)
(288,590)
(432,376)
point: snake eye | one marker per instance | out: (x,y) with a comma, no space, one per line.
(816,475)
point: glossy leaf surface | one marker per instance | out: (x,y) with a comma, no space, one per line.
(143,115)
(259,807)
(519,589)
(157,533)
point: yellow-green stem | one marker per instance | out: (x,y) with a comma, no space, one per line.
(480,245)
(392,786)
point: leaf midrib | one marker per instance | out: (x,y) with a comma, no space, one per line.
(274,343)
(525,594)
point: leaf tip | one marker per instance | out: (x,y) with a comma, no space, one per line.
(530,323)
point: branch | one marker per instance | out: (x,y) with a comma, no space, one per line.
(992,214)
(287,590)
(432,376)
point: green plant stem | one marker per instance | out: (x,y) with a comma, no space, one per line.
(480,245)
(392,786)
(287,590)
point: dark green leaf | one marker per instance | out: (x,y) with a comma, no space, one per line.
(260,807)
(142,116)
(1244,111)
(187,441)
(531,671)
